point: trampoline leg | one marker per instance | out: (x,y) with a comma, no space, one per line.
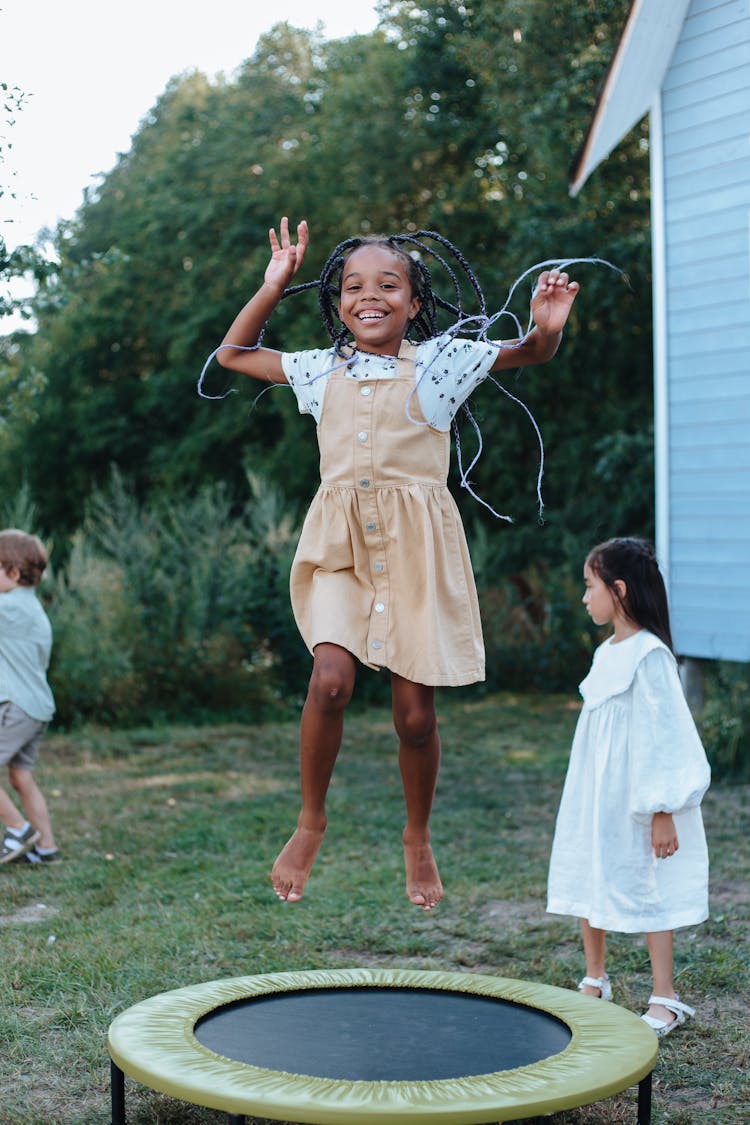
(236,1119)
(117,1081)
(644,1100)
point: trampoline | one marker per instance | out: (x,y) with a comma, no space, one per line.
(374,1046)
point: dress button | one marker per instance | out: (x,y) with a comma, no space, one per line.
(376,644)
(365,391)
(370,526)
(378,568)
(362,435)
(364,483)
(379,607)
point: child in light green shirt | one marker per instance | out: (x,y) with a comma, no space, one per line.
(26,702)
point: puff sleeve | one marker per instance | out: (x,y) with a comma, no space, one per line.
(669,769)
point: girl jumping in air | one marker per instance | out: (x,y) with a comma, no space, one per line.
(629,851)
(382,574)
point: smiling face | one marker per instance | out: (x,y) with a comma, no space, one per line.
(376,302)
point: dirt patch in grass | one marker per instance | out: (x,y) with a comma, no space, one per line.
(505,912)
(39,912)
(730,892)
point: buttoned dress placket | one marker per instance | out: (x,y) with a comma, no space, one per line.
(365,476)
(382,568)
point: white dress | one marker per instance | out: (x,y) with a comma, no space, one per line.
(636,752)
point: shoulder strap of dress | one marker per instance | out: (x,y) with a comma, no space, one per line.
(407,357)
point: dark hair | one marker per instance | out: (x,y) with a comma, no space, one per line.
(424,326)
(25,553)
(459,286)
(633,561)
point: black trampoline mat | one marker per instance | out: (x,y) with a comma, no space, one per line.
(382,1034)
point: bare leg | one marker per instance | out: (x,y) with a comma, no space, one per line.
(660,946)
(419,761)
(33,803)
(9,814)
(321,730)
(594,950)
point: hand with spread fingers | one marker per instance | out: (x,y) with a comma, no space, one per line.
(286,256)
(553,300)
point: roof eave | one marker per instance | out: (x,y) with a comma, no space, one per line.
(633,81)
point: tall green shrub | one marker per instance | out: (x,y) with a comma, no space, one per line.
(93,671)
(724,721)
(160,610)
(19,510)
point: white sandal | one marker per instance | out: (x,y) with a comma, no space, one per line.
(602,983)
(673,1004)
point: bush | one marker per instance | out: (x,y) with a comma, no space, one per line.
(20,511)
(162,611)
(724,721)
(536,634)
(95,641)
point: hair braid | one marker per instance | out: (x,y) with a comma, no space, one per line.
(413,249)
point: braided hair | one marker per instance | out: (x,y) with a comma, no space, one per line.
(413,252)
(633,561)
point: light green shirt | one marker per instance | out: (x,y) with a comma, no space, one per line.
(25,647)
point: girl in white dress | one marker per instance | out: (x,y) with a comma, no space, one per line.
(382,574)
(629,852)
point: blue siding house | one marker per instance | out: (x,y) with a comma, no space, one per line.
(687,64)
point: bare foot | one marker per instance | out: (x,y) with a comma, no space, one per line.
(423,884)
(294,863)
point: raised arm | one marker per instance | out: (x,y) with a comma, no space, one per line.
(550,307)
(265,363)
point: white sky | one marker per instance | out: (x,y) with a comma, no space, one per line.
(93,69)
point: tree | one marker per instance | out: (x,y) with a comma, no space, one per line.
(150,273)
(458,117)
(511,87)
(18,386)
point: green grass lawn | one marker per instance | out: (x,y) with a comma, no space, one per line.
(169,836)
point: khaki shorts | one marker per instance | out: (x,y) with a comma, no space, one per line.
(20,736)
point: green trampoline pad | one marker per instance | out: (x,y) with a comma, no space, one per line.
(312,1047)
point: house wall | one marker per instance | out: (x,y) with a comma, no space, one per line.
(704,118)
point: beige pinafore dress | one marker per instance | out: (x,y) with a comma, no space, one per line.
(382,567)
